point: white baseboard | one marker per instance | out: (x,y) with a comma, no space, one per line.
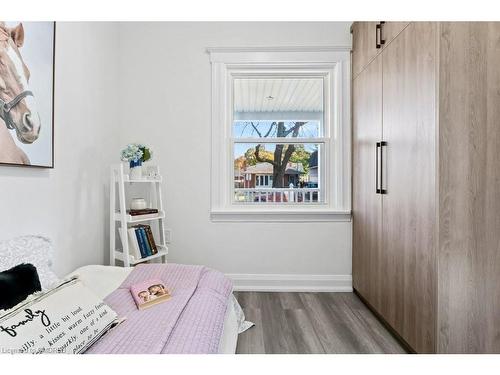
(291,283)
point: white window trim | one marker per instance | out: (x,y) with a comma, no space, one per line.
(229,62)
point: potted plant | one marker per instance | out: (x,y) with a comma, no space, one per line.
(136,154)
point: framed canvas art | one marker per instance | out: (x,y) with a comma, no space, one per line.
(27,93)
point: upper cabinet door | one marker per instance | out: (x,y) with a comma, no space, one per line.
(390,30)
(369,39)
(364,45)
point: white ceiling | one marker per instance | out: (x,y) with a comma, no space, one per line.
(288,94)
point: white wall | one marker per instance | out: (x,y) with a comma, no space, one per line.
(69,203)
(165,102)
(150,82)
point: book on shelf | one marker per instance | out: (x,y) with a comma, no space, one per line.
(144,211)
(149,293)
(145,239)
(141,242)
(147,247)
(133,244)
(150,238)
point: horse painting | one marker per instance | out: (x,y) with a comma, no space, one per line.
(18,113)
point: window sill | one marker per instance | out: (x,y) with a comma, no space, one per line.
(280,216)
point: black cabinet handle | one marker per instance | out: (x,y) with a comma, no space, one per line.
(379,38)
(382,145)
(377,188)
(382,39)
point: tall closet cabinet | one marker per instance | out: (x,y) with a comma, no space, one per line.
(426,181)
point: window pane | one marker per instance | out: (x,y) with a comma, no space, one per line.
(277,173)
(278,107)
(276,129)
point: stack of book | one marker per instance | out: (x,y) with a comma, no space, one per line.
(144,213)
(141,241)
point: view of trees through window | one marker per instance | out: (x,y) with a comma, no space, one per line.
(279,156)
(285,171)
(275,127)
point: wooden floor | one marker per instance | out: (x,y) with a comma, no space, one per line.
(311,323)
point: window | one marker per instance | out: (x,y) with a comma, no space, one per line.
(280,135)
(276,135)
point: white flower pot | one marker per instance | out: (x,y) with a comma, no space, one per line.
(136,173)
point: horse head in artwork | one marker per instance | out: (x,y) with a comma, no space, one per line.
(17,102)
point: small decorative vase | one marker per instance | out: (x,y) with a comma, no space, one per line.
(135,169)
(138,204)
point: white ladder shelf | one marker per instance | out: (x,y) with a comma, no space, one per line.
(119,219)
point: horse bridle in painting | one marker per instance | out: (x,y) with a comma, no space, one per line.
(6,107)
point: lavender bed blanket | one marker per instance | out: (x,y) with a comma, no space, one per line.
(190,322)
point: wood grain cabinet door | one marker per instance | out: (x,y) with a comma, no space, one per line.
(409,128)
(364,48)
(391,30)
(367,208)
(469,185)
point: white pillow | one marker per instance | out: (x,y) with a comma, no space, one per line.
(36,250)
(67,319)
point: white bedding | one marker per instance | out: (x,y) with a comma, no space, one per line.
(103,280)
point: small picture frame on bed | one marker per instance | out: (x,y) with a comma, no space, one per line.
(149,293)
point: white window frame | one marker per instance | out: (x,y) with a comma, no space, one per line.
(331,63)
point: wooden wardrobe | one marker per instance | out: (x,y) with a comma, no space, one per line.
(426,181)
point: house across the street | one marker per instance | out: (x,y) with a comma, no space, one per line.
(260,175)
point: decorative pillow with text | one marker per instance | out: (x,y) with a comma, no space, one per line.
(67,319)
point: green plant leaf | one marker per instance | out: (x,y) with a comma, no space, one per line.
(146,155)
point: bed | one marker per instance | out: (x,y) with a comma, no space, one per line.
(103,280)
(202,316)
